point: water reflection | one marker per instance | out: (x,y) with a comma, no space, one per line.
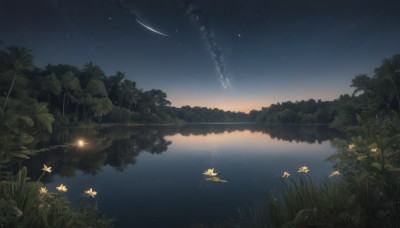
(119,147)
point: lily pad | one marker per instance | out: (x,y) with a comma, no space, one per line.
(217,179)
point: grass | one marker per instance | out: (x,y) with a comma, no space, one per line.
(22,205)
(304,203)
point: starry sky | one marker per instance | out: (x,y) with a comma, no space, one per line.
(270,50)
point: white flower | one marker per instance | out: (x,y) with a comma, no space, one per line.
(285,174)
(46,168)
(91,193)
(210,172)
(62,188)
(42,190)
(334,173)
(303,169)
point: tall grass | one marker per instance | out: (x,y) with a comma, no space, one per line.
(304,203)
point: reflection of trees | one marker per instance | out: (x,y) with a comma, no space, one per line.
(302,133)
(118,147)
(298,133)
(122,153)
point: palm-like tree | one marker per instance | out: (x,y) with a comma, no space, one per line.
(390,70)
(15,59)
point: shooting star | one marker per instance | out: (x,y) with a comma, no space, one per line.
(151,29)
(126,9)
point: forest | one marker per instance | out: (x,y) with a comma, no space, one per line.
(35,100)
(75,96)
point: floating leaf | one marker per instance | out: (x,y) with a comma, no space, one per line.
(20,155)
(217,179)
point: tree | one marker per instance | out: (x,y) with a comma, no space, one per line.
(91,71)
(153,100)
(96,88)
(113,85)
(41,116)
(71,88)
(129,94)
(390,70)
(16,59)
(95,99)
(49,85)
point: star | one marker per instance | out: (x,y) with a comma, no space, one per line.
(110,18)
(239,35)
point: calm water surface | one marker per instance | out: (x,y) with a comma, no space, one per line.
(152,176)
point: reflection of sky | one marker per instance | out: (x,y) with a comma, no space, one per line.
(237,142)
(169,190)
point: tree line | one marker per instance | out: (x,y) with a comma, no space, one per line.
(73,96)
(87,95)
(378,93)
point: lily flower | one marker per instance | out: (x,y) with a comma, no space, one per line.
(210,172)
(352,146)
(285,174)
(62,188)
(46,168)
(42,190)
(303,169)
(334,173)
(91,193)
(374,150)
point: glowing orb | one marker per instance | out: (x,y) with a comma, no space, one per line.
(80,143)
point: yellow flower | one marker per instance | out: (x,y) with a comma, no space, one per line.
(334,173)
(352,146)
(42,190)
(62,188)
(285,174)
(210,172)
(374,150)
(303,169)
(46,169)
(91,193)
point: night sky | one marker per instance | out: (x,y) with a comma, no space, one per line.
(269,50)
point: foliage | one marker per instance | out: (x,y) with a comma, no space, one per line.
(303,112)
(23,206)
(305,203)
(202,114)
(18,126)
(368,195)
(15,60)
(371,162)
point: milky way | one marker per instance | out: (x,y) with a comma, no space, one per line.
(199,17)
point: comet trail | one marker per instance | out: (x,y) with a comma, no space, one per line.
(126,9)
(151,29)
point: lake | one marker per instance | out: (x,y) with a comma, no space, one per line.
(151,176)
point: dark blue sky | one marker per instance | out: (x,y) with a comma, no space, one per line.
(273,50)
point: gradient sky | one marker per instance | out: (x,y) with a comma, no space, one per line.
(274,50)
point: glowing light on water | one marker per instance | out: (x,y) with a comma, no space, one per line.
(80,143)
